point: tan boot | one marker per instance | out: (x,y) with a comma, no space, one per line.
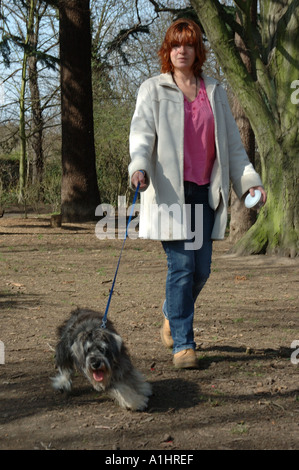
(185,359)
(166,334)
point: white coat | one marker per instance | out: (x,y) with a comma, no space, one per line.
(157,146)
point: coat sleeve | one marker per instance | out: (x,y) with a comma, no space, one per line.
(142,134)
(242,173)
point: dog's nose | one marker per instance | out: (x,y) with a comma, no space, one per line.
(95,362)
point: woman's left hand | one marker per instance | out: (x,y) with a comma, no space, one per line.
(262,190)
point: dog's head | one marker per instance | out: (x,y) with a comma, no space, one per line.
(96,351)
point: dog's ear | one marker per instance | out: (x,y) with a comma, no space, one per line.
(118,341)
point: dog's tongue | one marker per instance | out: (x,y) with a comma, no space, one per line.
(98,375)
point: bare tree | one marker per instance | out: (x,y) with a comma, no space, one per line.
(25,58)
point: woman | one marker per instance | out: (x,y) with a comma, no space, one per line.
(185,149)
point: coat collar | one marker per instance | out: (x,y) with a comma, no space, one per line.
(166,79)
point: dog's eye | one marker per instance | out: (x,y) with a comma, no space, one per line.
(87,347)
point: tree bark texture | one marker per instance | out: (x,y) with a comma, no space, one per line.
(22,123)
(265,96)
(241,218)
(79,191)
(37,125)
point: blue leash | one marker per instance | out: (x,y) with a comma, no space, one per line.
(104,321)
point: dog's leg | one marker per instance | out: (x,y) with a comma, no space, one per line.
(64,364)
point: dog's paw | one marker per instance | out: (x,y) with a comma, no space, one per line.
(141,401)
(62,383)
(142,406)
(128,398)
(147,389)
(136,402)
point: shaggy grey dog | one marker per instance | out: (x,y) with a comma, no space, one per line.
(102,357)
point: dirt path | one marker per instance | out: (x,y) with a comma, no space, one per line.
(245,395)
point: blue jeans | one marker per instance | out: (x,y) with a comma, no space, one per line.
(188,271)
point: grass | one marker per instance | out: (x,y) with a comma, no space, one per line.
(240,428)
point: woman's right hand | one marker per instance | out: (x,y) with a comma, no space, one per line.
(139,177)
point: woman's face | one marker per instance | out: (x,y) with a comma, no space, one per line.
(182,56)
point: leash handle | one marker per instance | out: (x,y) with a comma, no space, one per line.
(104,320)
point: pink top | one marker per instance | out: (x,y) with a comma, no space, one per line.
(199,138)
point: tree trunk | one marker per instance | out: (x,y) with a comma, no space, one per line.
(242,218)
(22,124)
(79,191)
(265,96)
(37,118)
(22,134)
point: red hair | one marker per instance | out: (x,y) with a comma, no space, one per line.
(183,31)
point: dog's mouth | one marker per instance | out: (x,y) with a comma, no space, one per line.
(98,375)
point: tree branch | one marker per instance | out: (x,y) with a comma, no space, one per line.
(244,6)
(159,8)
